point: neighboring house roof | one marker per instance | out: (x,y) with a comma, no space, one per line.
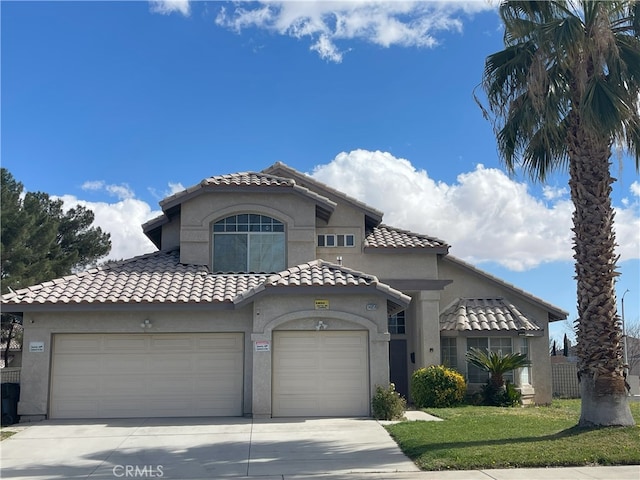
(555,313)
(485,314)
(384,238)
(373,216)
(160,279)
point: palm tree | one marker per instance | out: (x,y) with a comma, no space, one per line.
(562,94)
(496,364)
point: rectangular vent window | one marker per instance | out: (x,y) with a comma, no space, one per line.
(335,240)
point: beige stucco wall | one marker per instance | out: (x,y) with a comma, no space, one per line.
(40,327)
(469,284)
(199,213)
(346,312)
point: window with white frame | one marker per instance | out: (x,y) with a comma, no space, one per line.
(500,345)
(449,352)
(336,240)
(525,372)
(248,243)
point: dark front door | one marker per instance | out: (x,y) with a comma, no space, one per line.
(398,366)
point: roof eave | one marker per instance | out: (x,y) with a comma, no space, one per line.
(555,313)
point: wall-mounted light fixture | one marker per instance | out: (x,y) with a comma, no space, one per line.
(146,323)
(321,326)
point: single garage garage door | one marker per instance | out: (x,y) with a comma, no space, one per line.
(320,374)
(141,375)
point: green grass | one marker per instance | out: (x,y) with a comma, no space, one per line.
(5,434)
(474,437)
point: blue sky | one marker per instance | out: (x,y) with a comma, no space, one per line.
(115,105)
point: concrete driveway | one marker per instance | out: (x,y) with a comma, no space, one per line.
(199,448)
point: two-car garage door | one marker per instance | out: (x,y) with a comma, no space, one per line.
(147,375)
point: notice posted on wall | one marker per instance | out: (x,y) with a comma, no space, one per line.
(262,345)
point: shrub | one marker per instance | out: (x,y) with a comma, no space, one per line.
(387,404)
(437,386)
(506,396)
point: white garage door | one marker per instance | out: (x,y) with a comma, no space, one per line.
(320,374)
(140,375)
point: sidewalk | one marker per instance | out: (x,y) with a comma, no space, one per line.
(631,472)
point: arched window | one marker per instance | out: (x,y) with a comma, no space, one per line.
(248,243)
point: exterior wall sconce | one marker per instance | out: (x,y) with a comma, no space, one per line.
(146,323)
(321,326)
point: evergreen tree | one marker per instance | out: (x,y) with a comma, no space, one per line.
(39,241)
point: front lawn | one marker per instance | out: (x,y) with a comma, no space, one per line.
(490,437)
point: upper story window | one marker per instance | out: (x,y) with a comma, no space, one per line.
(248,243)
(339,240)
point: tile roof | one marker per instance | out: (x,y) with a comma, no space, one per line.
(556,313)
(247,180)
(160,278)
(386,237)
(320,273)
(154,278)
(485,314)
(282,169)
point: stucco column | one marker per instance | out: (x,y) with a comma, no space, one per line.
(427,311)
(34,387)
(379,359)
(261,381)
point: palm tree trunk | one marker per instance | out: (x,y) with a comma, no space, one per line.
(599,350)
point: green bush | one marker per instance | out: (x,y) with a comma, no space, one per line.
(507,396)
(387,404)
(437,386)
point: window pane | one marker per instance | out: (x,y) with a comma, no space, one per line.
(266,252)
(229,253)
(449,352)
(341,240)
(350,240)
(331,240)
(259,251)
(321,240)
(396,323)
(475,374)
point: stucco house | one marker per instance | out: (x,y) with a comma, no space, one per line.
(271,294)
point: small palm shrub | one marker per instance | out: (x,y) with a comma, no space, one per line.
(387,404)
(505,396)
(495,392)
(437,386)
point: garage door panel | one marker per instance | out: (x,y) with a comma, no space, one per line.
(221,342)
(129,375)
(80,343)
(320,373)
(78,365)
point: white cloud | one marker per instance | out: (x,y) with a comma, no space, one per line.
(391,23)
(484,215)
(552,193)
(122,191)
(635,189)
(166,7)
(123,220)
